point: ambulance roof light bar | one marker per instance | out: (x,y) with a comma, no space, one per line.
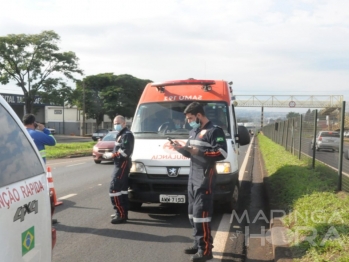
(160,89)
(206,84)
(207,88)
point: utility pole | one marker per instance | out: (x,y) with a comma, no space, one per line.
(341,148)
(262,117)
(83,108)
(63,115)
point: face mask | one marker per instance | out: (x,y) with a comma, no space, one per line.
(178,126)
(117,127)
(195,124)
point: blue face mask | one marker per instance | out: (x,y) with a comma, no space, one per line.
(117,127)
(194,124)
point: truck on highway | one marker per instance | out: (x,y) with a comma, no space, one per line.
(159,174)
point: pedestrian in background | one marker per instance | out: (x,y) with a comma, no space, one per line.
(122,153)
(41,135)
(205,146)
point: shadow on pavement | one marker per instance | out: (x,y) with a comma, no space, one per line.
(124,234)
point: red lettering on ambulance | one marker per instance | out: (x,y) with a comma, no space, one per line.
(28,190)
(24,192)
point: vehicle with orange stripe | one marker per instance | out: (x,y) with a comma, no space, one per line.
(159,174)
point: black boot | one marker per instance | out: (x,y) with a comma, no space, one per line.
(118,220)
(191,250)
(200,257)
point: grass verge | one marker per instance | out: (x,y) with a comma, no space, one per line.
(316,216)
(61,150)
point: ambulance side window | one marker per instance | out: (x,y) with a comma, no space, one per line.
(138,124)
(18,160)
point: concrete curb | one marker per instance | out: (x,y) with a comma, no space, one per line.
(281,249)
(70,156)
(278,238)
(77,155)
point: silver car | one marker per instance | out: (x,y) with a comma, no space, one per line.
(326,140)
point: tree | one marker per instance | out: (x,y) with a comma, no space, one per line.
(308,116)
(59,95)
(108,94)
(35,63)
(88,92)
(122,98)
(292,115)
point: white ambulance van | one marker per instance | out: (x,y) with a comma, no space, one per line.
(159,174)
(26,232)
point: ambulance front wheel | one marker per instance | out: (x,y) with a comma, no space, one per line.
(134,205)
(233,201)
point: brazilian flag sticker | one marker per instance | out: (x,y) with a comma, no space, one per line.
(220,139)
(28,240)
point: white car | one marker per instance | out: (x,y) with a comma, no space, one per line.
(26,205)
(52,130)
(326,140)
(99,134)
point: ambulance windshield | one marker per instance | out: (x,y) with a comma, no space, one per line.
(165,119)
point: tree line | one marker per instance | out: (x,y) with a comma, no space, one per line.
(38,66)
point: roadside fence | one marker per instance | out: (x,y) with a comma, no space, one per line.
(297,136)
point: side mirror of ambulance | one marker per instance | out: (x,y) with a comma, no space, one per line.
(243,137)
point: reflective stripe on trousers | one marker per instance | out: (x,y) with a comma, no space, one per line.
(118,190)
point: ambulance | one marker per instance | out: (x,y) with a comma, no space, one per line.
(26,205)
(159,174)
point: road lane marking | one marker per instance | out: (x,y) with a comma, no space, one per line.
(67,196)
(334,168)
(223,231)
(244,163)
(221,237)
(77,164)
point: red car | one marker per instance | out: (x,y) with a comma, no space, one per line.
(103,149)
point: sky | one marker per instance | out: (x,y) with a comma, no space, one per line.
(266,47)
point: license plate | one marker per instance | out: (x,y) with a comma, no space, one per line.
(180,199)
(107,155)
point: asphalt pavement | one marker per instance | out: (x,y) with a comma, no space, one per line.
(154,233)
(84,231)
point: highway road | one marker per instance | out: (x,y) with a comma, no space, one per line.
(156,232)
(328,157)
(84,232)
